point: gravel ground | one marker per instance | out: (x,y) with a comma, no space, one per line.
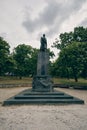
(43,117)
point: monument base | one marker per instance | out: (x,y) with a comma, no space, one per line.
(31,97)
(42,83)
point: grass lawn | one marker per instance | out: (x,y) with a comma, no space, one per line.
(70,81)
(15,80)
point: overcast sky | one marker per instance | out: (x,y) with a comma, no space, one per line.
(24,21)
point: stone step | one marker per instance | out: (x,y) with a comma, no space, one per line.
(45,93)
(43,101)
(43,97)
(29,97)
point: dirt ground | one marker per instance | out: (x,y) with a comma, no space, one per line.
(43,117)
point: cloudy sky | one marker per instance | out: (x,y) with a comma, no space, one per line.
(24,21)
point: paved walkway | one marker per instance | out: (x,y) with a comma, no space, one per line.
(43,117)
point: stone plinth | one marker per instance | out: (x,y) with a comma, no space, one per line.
(42,63)
(42,81)
(42,84)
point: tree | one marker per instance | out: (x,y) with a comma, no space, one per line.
(83,59)
(74,57)
(64,40)
(10,65)
(26,58)
(51,53)
(4,56)
(71,46)
(33,61)
(78,35)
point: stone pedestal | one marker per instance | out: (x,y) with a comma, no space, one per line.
(42,81)
(42,63)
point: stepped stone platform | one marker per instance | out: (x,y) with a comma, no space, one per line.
(30,97)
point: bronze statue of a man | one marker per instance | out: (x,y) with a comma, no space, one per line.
(43,41)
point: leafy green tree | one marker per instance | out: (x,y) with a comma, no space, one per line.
(74,57)
(10,65)
(78,35)
(83,59)
(71,53)
(51,53)
(33,61)
(4,56)
(25,57)
(22,55)
(64,40)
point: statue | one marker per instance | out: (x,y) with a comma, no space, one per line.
(43,41)
(42,81)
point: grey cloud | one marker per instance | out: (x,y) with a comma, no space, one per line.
(53,16)
(67,9)
(84,23)
(3,34)
(45,18)
(50,13)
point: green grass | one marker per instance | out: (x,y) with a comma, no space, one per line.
(70,81)
(15,80)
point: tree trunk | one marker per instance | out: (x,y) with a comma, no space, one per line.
(74,74)
(20,77)
(67,73)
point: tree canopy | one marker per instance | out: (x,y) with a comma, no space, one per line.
(72,60)
(78,35)
(4,56)
(25,57)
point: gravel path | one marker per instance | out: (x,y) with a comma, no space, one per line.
(43,117)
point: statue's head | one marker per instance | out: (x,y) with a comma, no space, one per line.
(43,35)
